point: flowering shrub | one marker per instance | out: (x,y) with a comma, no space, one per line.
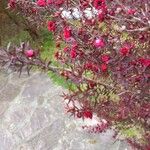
(105,54)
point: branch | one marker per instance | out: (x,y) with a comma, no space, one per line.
(139,29)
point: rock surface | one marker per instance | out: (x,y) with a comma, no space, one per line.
(32,117)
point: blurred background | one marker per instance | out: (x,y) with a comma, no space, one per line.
(13,28)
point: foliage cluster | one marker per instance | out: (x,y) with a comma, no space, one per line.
(105,55)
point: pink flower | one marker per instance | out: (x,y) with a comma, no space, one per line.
(67,32)
(41,3)
(99,43)
(103,67)
(105,58)
(131,11)
(29,53)
(73,53)
(51,26)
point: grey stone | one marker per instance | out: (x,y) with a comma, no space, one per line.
(9,92)
(32,117)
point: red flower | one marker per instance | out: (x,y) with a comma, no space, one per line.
(73,53)
(92,84)
(85,3)
(101,16)
(95,68)
(50,1)
(125,50)
(59,2)
(88,114)
(29,53)
(138,78)
(103,67)
(12,3)
(105,58)
(99,43)
(51,26)
(88,66)
(56,2)
(67,32)
(99,4)
(66,49)
(34,10)
(91,66)
(41,3)
(144,62)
